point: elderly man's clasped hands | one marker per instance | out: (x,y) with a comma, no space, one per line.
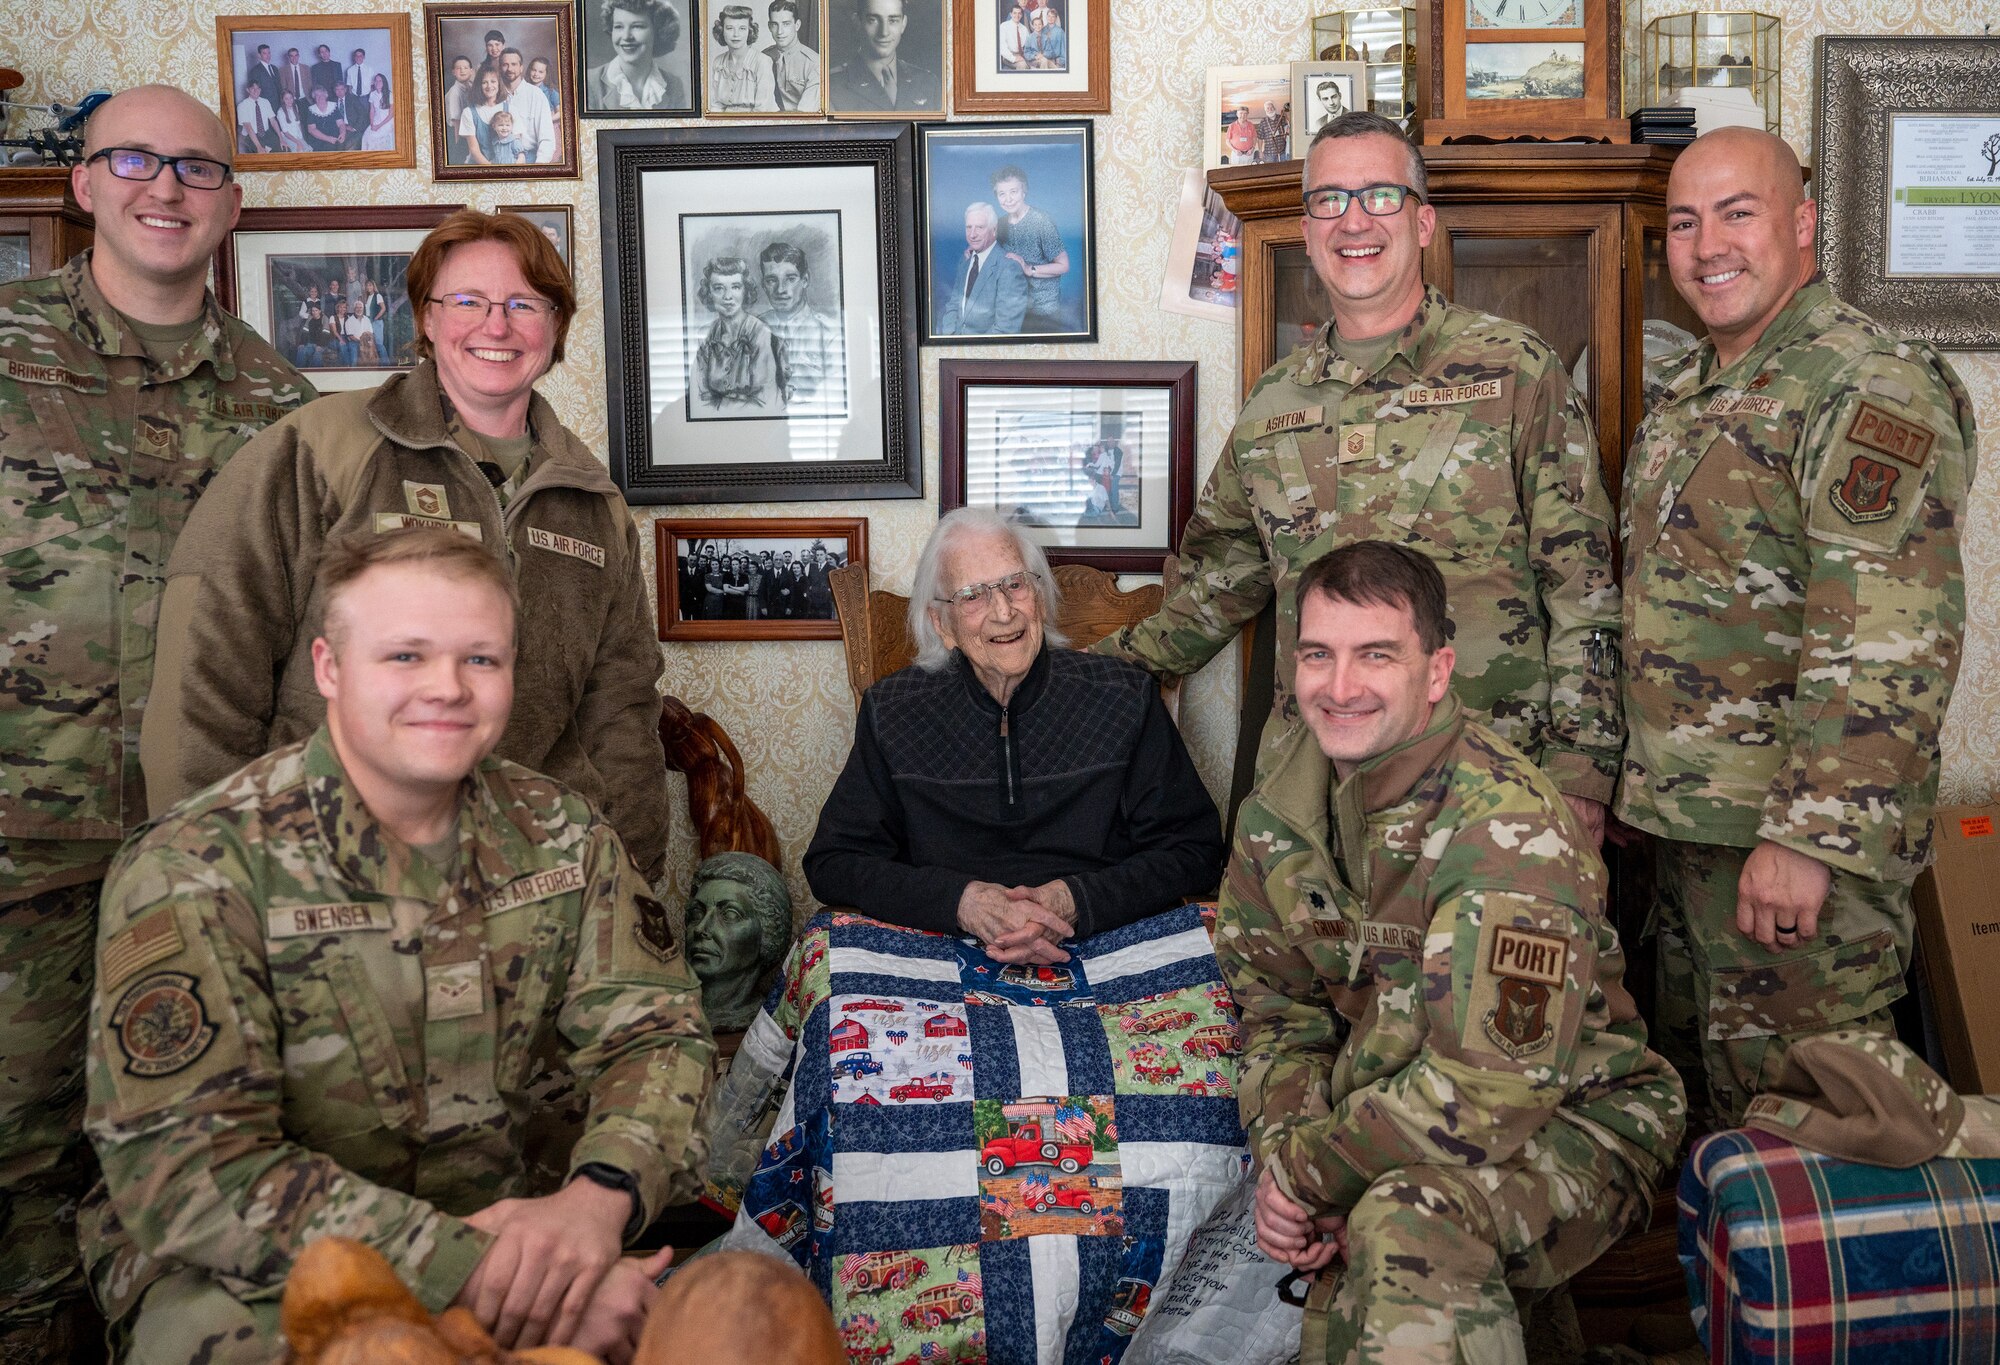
(1019,923)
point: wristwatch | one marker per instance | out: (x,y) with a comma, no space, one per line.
(611,1178)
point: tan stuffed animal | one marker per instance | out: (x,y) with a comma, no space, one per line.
(739,1308)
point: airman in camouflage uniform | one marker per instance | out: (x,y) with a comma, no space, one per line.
(1453,432)
(123,389)
(1442,1068)
(307,1023)
(1794,607)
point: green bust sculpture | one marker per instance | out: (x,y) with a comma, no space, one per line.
(739,926)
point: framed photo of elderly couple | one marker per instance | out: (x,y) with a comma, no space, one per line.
(753,578)
(759,344)
(1095,458)
(503,99)
(325,286)
(317,92)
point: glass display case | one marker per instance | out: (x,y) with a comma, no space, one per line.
(1739,50)
(1385,40)
(41,225)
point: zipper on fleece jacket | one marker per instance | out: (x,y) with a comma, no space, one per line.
(1010,776)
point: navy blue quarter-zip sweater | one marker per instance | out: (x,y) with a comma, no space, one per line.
(1081,775)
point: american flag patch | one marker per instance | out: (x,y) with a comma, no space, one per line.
(152,939)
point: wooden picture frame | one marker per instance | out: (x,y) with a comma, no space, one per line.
(1014,437)
(597,51)
(920,51)
(754,603)
(698,224)
(384,40)
(560,217)
(275,247)
(1921,106)
(726,96)
(542,34)
(984,81)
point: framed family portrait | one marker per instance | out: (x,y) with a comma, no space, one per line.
(1010,233)
(1321,93)
(1044,57)
(1908,182)
(885,58)
(765,58)
(321,92)
(637,58)
(555,222)
(502,104)
(758,342)
(1247,117)
(753,578)
(1095,458)
(325,286)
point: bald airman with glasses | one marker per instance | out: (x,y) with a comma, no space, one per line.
(1413,420)
(124,388)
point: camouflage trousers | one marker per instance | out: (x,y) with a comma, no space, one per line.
(48,946)
(186,1318)
(1728,1008)
(1439,1258)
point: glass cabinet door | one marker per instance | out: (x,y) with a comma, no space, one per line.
(1299,306)
(1668,323)
(17,256)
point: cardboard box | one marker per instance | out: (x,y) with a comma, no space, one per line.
(1958,919)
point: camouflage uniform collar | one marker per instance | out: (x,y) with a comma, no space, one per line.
(1795,319)
(412,410)
(368,859)
(104,329)
(1322,360)
(1303,787)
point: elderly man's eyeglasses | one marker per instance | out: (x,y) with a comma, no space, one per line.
(481,307)
(1377,201)
(131,163)
(974,598)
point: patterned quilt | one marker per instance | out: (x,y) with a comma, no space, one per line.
(1794,1257)
(981,1162)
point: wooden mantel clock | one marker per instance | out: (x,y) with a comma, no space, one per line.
(1506,70)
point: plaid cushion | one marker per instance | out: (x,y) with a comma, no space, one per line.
(1794,1257)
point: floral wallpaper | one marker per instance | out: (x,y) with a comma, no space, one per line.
(787,705)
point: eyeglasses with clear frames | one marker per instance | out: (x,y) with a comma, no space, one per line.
(135,163)
(1377,201)
(521,308)
(976,598)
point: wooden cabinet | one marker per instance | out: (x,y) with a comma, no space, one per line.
(41,226)
(1569,239)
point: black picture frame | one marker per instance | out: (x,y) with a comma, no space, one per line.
(961,166)
(1111,486)
(594,51)
(843,428)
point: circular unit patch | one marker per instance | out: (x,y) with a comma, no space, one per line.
(161,1025)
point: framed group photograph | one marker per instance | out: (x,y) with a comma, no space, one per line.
(1908,182)
(554,221)
(1321,93)
(753,578)
(325,286)
(637,58)
(1095,458)
(1031,57)
(320,92)
(503,106)
(765,58)
(885,58)
(1010,233)
(1247,117)
(758,350)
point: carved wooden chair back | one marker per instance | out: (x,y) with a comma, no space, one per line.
(874,623)
(720,811)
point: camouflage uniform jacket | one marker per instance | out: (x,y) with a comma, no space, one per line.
(1437,909)
(301,1027)
(242,609)
(1467,444)
(1794,605)
(102,455)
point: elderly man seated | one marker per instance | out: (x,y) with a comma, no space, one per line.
(1004,786)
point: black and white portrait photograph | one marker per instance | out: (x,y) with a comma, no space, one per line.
(638,57)
(1321,93)
(503,105)
(754,578)
(885,58)
(336,94)
(553,220)
(1010,233)
(764,57)
(771,338)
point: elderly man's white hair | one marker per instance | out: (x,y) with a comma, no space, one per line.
(973,523)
